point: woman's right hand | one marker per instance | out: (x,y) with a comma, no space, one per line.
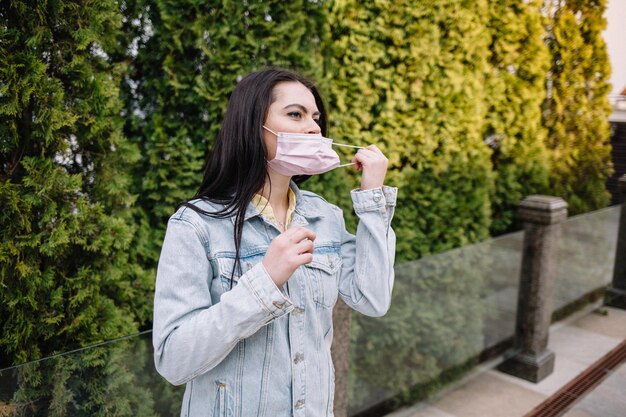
(287,252)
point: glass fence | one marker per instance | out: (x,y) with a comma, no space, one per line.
(450,308)
(447,310)
(116,378)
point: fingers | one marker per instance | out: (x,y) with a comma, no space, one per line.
(305,246)
(305,258)
(373,164)
(368,156)
(305,252)
(303,239)
(371,151)
(287,252)
(375,149)
(299,233)
(364,156)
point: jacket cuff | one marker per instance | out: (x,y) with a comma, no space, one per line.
(374,199)
(266,293)
(391,195)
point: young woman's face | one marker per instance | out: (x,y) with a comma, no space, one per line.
(293,111)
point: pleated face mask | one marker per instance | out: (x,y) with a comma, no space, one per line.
(304,154)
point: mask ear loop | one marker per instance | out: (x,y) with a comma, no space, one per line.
(348,146)
(269,130)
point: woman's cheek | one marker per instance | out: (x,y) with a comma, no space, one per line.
(270,145)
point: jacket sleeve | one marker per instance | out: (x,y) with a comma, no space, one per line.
(191,335)
(367,273)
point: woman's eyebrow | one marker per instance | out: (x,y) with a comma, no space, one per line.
(302,108)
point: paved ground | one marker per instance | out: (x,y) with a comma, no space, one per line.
(577,343)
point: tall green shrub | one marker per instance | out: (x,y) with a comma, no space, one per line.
(577,108)
(410,78)
(186,56)
(519,62)
(64,225)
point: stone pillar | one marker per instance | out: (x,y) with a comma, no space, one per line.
(616,294)
(529,358)
(340,350)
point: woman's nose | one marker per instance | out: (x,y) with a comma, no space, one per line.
(313,128)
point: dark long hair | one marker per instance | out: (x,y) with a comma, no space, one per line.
(235,168)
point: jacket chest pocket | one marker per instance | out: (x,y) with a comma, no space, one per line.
(227,269)
(323,275)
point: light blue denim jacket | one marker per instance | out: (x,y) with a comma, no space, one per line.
(254,350)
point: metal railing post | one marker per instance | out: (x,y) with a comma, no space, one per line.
(529,358)
(616,294)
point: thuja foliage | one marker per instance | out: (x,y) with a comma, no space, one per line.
(577,108)
(64,226)
(186,56)
(410,78)
(519,62)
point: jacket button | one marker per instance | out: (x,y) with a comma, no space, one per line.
(277,304)
(298,310)
(377,198)
(298,358)
(299,404)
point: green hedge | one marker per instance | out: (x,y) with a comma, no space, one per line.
(519,61)
(410,79)
(577,108)
(65,226)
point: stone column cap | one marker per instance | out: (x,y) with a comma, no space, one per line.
(542,209)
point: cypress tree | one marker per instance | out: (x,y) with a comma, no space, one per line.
(64,222)
(576,109)
(519,61)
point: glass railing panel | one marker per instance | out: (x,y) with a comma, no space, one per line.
(586,254)
(116,378)
(446,308)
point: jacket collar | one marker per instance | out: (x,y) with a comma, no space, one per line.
(303,208)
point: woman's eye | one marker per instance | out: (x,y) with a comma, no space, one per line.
(295,114)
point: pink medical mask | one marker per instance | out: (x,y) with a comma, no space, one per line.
(304,154)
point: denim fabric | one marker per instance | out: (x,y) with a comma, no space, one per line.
(254,350)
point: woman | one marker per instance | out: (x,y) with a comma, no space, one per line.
(251,268)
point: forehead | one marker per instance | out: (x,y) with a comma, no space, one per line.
(293,92)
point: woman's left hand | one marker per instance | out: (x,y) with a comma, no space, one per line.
(374,165)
